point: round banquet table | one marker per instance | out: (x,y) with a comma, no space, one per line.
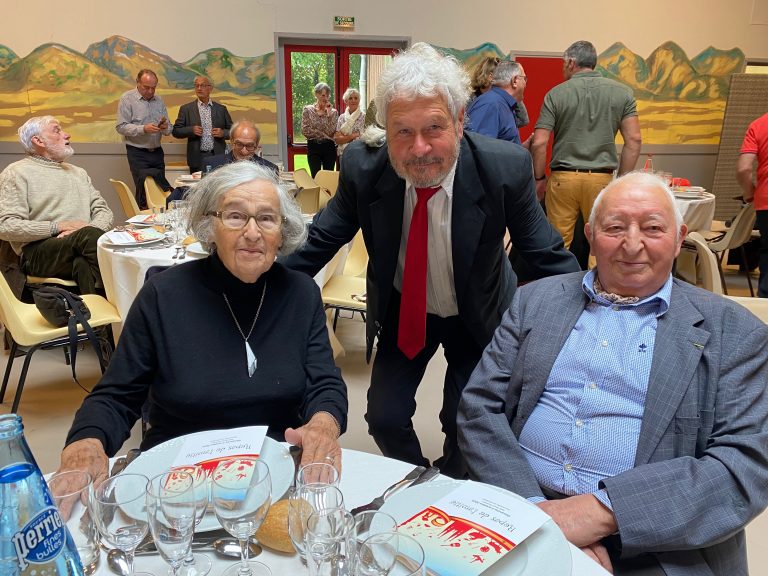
(364,476)
(697,212)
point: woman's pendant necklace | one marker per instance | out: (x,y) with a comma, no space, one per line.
(250,357)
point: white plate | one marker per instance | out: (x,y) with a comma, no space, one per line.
(157,460)
(113,241)
(691,195)
(189,178)
(197,248)
(545,551)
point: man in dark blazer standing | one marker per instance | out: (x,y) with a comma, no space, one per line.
(204,123)
(455,294)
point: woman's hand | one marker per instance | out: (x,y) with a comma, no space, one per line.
(86,454)
(319,439)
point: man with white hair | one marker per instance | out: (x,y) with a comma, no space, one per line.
(629,405)
(493,112)
(433,204)
(49,210)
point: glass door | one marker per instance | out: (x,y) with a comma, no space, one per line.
(340,67)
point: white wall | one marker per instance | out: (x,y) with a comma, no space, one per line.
(246,27)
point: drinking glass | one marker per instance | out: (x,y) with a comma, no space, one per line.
(318,473)
(329,542)
(197,564)
(242,494)
(118,506)
(302,502)
(158,218)
(177,214)
(70,491)
(390,554)
(171,514)
(368,523)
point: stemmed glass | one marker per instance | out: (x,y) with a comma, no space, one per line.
(390,554)
(242,494)
(197,564)
(176,216)
(302,502)
(118,508)
(171,513)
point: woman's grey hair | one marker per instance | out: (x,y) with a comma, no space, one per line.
(423,72)
(637,179)
(583,53)
(322,87)
(205,197)
(350,92)
(504,72)
(31,128)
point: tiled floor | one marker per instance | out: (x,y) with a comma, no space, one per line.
(51,398)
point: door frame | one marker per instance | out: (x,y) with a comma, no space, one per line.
(283,38)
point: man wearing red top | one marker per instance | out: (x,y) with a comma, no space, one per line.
(755,149)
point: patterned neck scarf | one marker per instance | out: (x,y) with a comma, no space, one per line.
(613,298)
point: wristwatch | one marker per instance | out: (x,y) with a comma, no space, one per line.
(540,178)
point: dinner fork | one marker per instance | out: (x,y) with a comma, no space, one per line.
(183,253)
(176,254)
(378,502)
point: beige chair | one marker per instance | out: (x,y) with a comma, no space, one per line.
(735,236)
(707,266)
(155,195)
(357,259)
(758,306)
(323,198)
(345,293)
(328,180)
(308,200)
(127,199)
(30,330)
(302,179)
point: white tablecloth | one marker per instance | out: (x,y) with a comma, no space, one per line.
(364,477)
(697,212)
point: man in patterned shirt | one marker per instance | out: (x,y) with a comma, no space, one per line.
(629,405)
(205,124)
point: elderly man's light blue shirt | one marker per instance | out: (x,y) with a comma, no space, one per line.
(586,424)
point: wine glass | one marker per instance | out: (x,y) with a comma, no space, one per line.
(390,554)
(171,514)
(329,542)
(197,564)
(302,502)
(241,494)
(119,510)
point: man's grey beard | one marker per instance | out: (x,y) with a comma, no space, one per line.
(421,180)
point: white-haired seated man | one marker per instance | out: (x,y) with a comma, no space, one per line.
(629,405)
(49,210)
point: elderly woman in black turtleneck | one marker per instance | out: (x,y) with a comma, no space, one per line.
(231,340)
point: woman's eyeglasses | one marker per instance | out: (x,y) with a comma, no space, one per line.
(236,220)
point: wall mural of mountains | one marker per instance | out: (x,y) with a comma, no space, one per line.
(680,100)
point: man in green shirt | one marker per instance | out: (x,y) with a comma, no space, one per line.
(585,112)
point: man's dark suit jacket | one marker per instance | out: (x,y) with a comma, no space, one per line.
(493,190)
(189,117)
(223,159)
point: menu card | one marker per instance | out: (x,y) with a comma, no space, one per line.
(472,527)
(130,236)
(208,449)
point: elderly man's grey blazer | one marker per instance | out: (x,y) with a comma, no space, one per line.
(701,468)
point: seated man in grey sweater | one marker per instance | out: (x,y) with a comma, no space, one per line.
(49,210)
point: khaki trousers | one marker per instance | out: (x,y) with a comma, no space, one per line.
(569,193)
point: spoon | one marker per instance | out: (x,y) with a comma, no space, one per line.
(228,547)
